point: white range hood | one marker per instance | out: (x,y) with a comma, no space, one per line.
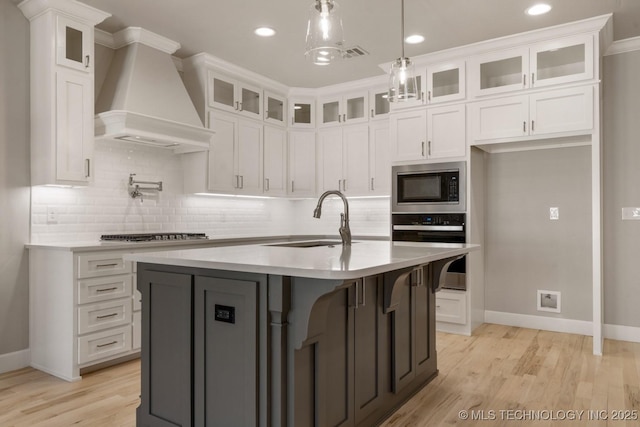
(143,99)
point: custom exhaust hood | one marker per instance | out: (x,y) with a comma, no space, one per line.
(143,99)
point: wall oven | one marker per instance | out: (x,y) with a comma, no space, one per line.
(434,187)
(435,227)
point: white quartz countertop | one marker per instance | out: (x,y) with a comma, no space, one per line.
(363,258)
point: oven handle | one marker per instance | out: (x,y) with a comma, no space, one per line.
(428,228)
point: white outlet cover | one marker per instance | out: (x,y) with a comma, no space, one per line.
(631,213)
(554,213)
(549,301)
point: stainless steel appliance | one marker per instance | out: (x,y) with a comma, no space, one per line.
(147,237)
(435,227)
(432,187)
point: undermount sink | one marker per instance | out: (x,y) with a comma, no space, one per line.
(312,244)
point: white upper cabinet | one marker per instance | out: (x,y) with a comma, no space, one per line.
(379,159)
(347,109)
(344,159)
(446,82)
(74,44)
(302,163)
(408,133)
(275,108)
(379,103)
(234,96)
(561,112)
(302,112)
(275,161)
(558,61)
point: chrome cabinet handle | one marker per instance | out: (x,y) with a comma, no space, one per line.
(241,181)
(524,126)
(428,95)
(107,344)
(106,265)
(429,149)
(237,103)
(372,113)
(372,187)
(292,186)
(344,185)
(87,163)
(86,61)
(533,126)
(533,77)
(106,289)
(524,80)
(422,148)
(106,316)
(266,182)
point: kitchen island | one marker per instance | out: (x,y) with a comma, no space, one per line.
(291,334)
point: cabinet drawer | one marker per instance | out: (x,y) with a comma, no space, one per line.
(104,288)
(451,307)
(102,264)
(104,344)
(96,317)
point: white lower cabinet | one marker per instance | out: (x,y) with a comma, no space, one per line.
(275,161)
(379,159)
(104,345)
(451,306)
(562,112)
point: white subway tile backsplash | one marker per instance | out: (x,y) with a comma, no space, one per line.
(105,206)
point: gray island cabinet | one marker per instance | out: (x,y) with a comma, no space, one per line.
(269,335)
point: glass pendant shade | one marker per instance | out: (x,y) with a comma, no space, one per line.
(325,41)
(402,81)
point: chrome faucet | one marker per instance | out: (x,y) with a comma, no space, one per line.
(344,230)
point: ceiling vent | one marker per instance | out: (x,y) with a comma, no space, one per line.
(354,52)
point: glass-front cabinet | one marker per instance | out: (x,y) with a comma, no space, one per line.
(231,95)
(379,103)
(74,43)
(544,64)
(275,108)
(302,112)
(446,82)
(337,110)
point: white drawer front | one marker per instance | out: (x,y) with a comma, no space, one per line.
(102,264)
(103,345)
(137,330)
(96,317)
(104,288)
(451,307)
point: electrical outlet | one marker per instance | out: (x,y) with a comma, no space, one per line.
(52,215)
(554,213)
(631,213)
(549,301)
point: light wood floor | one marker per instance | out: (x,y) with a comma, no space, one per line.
(504,375)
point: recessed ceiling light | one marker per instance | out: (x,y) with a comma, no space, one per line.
(538,9)
(264,31)
(414,39)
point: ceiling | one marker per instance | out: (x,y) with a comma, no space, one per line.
(225,29)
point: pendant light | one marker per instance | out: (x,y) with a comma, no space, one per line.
(325,42)
(402,78)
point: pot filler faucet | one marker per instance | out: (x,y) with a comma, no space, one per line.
(345,232)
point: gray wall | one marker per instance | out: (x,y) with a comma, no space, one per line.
(621,188)
(525,251)
(14,178)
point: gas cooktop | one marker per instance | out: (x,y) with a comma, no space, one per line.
(147,237)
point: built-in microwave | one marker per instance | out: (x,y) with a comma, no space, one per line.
(431,187)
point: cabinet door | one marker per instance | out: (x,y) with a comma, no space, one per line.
(74,133)
(249,100)
(302,112)
(379,161)
(329,111)
(500,118)
(331,159)
(370,333)
(500,71)
(222,92)
(562,61)
(446,132)
(424,309)
(74,44)
(355,108)
(222,165)
(379,103)
(408,133)
(355,148)
(275,109)
(166,355)
(249,157)
(421,85)
(302,163)
(446,82)
(225,352)
(275,161)
(565,110)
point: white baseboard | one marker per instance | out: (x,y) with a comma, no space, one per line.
(544,323)
(621,333)
(16,360)
(570,326)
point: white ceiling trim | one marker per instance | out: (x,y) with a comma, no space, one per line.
(622,46)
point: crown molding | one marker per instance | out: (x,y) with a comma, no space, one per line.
(622,46)
(131,35)
(32,9)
